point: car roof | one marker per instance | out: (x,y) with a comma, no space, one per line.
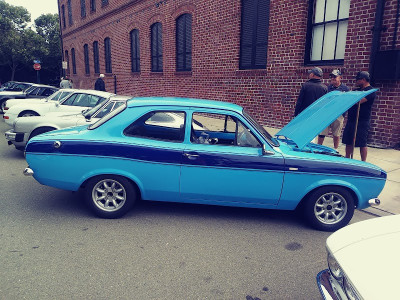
(94,92)
(184,102)
(120,98)
(44,85)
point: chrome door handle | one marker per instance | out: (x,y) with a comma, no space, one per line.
(191,156)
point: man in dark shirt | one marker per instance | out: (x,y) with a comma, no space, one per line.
(311,90)
(337,125)
(99,85)
(364,118)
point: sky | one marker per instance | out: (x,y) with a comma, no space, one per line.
(36,7)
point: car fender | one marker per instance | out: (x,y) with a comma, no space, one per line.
(334,182)
(108,171)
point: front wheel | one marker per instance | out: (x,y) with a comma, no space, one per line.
(110,196)
(329,208)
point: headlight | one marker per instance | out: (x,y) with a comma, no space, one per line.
(350,291)
(334,267)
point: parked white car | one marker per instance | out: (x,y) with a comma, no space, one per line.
(16,91)
(26,128)
(363,260)
(74,103)
(57,96)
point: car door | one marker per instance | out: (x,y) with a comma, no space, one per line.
(156,145)
(224,163)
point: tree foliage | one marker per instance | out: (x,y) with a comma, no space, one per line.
(20,44)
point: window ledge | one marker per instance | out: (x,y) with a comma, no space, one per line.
(183,73)
(251,71)
(153,73)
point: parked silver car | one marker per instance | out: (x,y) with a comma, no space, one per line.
(26,128)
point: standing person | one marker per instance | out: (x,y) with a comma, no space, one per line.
(71,84)
(337,125)
(364,118)
(99,84)
(310,90)
(65,84)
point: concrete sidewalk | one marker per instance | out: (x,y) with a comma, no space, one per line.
(388,160)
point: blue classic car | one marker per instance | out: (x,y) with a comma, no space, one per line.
(209,152)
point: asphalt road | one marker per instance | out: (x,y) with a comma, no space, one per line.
(51,247)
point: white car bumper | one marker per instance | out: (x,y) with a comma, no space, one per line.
(16,138)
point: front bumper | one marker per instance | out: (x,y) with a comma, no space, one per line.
(16,138)
(329,288)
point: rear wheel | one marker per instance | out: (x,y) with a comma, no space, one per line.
(110,196)
(28,113)
(329,208)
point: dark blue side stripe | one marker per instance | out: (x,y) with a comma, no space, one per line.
(309,166)
(160,155)
(175,156)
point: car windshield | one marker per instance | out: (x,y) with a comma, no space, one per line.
(260,129)
(87,113)
(59,95)
(108,116)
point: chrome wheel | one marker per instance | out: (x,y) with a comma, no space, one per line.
(330,208)
(109,195)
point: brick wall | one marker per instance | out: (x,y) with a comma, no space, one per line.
(270,94)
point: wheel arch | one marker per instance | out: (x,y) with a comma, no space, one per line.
(132,179)
(27,110)
(350,188)
(41,127)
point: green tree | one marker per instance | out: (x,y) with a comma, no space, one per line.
(48,28)
(14,35)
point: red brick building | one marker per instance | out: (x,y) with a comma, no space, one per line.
(255,53)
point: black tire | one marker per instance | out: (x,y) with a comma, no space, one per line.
(2,103)
(110,196)
(40,130)
(28,113)
(329,208)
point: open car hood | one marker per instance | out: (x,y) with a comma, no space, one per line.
(319,115)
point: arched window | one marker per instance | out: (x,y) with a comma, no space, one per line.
(156,48)
(96,57)
(135,51)
(67,60)
(107,52)
(184,43)
(86,56)
(73,61)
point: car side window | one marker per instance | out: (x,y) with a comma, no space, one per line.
(47,92)
(220,129)
(70,100)
(159,125)
(35,92)
(82,100)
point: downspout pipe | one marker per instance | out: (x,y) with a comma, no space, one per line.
(396,25)
(380,9)
(61,39)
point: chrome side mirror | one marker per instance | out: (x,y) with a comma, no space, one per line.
(265,151)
